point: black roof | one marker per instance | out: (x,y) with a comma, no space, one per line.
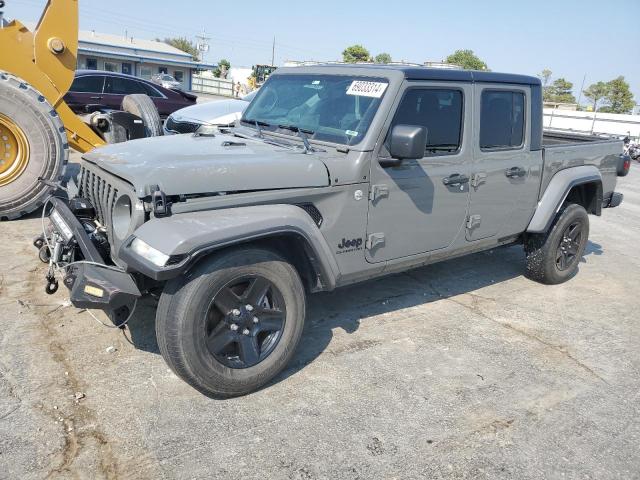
(416,72)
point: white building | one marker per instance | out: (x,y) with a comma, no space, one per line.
(134,56)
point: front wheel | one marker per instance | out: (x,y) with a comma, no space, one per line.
(553,257)
(232,323)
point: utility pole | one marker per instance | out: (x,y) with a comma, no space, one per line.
(273,51)
(202,44)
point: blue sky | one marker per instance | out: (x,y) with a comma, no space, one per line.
(572,38)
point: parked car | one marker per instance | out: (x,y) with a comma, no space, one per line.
(166,80)
(335,175)
(218,113)
(107,89)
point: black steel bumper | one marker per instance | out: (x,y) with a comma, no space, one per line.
(93,286)
(614,200)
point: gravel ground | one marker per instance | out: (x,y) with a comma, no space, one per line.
(464,369)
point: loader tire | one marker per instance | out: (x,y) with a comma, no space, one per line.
(142,106)
(33,144)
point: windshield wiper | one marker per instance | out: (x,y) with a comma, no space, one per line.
(302,133)
(258,124)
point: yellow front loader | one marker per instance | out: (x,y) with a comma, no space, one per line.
(37,127)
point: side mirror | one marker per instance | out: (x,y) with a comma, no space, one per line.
(406,142)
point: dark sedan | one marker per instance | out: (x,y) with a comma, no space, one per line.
(107,89)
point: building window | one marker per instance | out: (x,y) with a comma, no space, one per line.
(126,69)
(92,63)
(178,75)
(110,67)
(163,70)
(145,72)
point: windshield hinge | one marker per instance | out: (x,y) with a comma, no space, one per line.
(378,191)
(374,240)
(473,221)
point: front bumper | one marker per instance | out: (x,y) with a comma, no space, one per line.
(94,285)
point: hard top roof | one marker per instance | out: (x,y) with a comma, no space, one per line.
(413,72)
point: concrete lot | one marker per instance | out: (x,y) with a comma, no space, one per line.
(460,370)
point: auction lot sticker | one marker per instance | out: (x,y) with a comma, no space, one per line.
(367,89)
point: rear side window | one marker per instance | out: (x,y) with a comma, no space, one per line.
(88,84)
(501,119)
(149,90)
(123,86)
(440,110)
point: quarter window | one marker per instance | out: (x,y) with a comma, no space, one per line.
(440,110)
(501,119)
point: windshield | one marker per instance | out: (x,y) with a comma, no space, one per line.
(331,108)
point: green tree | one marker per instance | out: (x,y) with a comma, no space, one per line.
(596,93)
(183,44)
(467,60)
(560,91)
(355,54)
(222,69)
(619,98)
(383,58)
(545,75)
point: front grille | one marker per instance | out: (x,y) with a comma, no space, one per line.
(181,127)
(99,192)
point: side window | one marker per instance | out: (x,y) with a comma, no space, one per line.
(123,86)
(438,109)
(88,84)
(501,119)
(149,90)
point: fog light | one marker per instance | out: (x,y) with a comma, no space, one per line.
(147,252)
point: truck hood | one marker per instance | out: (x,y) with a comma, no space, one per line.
(188,164)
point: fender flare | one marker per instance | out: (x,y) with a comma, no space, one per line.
(556,193)
(186,237)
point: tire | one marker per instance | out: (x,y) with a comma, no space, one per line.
(543,250)
(31,127)
(189,315)
(142,106)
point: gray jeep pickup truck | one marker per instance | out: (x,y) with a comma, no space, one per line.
(334,175)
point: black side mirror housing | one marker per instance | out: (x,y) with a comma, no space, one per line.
(406,142)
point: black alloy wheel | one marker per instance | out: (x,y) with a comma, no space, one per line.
(244,321)
(567,251)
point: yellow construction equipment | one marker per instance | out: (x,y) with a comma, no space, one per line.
(36,125)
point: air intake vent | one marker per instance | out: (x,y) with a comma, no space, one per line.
(313,212)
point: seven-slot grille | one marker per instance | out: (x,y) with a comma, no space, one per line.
(99,192)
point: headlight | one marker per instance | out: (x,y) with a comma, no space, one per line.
(121,218)
(147,252)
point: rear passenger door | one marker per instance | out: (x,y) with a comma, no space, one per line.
(504,173)
(419,206)
(85,90)
(116,88)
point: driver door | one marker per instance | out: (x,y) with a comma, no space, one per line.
(421,205)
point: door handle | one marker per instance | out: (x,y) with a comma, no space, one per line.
(455,180)
(515,172)
(95,98)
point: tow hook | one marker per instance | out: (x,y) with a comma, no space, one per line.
(52,284)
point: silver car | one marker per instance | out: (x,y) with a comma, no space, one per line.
(220,113)
(167,81)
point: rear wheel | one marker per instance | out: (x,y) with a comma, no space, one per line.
(553,257)
(142,106)
(32,144)
(233,323)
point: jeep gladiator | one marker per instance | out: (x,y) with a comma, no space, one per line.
(335,174)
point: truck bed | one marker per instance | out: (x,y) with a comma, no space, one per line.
(561,150)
